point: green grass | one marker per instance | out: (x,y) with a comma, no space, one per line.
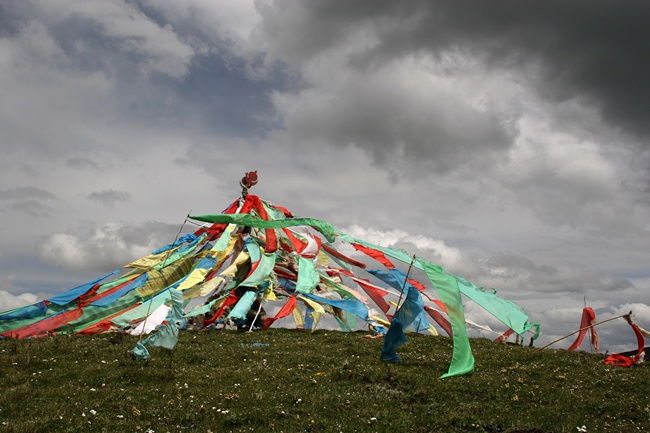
(327,381)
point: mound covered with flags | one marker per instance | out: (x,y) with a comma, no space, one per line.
(257,256)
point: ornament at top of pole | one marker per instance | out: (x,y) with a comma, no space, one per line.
(248,181)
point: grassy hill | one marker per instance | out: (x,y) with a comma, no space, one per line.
(293,381)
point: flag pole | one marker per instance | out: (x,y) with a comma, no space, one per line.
(582,329)
(164,263)
(404,285)
(257,314)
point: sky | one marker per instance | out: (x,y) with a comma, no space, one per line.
(505,141)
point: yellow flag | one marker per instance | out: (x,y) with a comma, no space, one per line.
(203,289)
(297,317)
(231,270)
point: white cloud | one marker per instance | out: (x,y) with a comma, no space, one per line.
(431,249)
(9,301)
(12,296)
(640,312)
(104,248)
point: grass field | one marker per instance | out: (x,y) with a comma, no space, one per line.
(293,381)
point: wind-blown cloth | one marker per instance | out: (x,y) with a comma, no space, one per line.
(586,323)
(248,220)
(627,361)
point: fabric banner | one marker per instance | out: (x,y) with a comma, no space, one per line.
(203,289)
(198,273)
(231,270)
(440,319)
(201,309)
(92,315)
(229,300)
(27,312)
(243,306)
(509,313)
(286,309)
(588,319)
(135,284)
(354,306)
(150,323)
(167,336)
(161,279)
(627,361)
(375,254)
(45,326)
(308,277)
(377,294)
(189,238)
(411,309)
(102,325)
(462,359)
(261,272)
(248,220)
(69,296)
(393,339)
(446,286)
(142,309)
(312,247)
(503,337)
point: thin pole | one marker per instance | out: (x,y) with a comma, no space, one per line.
(582,329)
(144,325)
(404,285)
(258,313)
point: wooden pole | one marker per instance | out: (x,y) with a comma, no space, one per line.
(404,285)
(582,329)
(258,313)
(164,263)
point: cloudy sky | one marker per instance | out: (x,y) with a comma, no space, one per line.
(507,141)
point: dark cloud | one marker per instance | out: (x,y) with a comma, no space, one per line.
(82,163)
(109,197)
(28,200)
(25,192)
(474,127)
(32,208)
(594,51)
(397,122)
(219,95)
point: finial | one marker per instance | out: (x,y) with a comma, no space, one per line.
(248,181)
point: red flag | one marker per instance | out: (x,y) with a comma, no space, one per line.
(44,327)
(297,244)
(375,254)
(440,319)
(271,235)
(340,256)
(376,294)
(503,337)
(284,312)
(588,318)
(231,299)
(216,229)
(626,361)
(104,325)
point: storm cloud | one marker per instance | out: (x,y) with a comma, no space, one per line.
(505,141)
